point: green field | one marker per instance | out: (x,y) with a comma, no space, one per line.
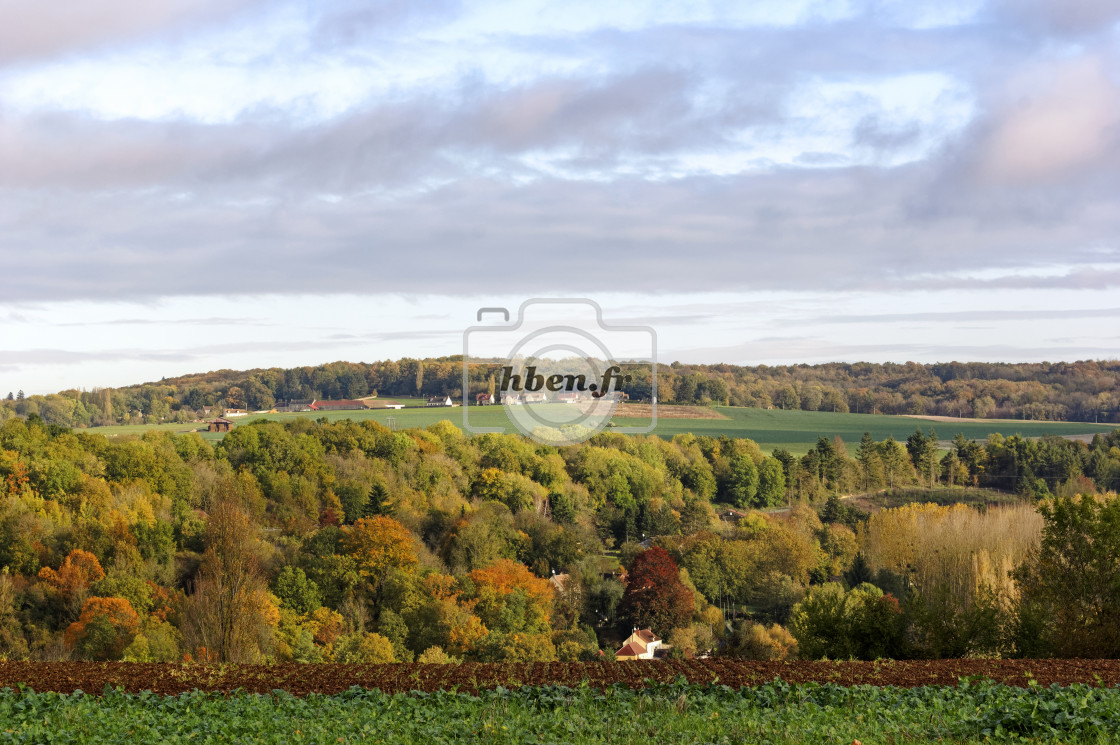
(797,431)
(667,713)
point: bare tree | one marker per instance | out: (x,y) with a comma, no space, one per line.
(226,614)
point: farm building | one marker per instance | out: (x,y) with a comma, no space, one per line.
(569,398)
(559,581)
(342,404)
(731,516)
(535,398)
(218,425)
(484,399)
(296,405)
(440,401)
(511,399)
(643,644)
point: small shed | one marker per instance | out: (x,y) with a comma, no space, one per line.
(218,425)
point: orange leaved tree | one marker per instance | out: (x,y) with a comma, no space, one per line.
(511,599)
(105,627)
(72,580)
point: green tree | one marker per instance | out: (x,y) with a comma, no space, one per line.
(870,463)
(296,591)
(893,457)
(923,454)
(1074,580)
(744,481)
(771,483)
(861,623)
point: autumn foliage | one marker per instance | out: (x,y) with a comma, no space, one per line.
(104,628)
(495,585)
(79,570)
(378,543)
(655,597)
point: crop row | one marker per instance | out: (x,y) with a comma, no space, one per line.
(66,677)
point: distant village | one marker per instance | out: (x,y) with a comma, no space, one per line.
(223,421)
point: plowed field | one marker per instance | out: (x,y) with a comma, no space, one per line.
(66,677)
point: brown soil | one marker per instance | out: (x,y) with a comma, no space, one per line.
(667,411)
(66,677)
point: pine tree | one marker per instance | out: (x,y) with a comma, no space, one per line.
(870,464)
(19,396)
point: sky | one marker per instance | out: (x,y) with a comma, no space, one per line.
(193,185)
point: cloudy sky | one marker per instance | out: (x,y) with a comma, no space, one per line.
(198,184)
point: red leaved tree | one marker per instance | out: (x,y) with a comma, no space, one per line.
(655,597)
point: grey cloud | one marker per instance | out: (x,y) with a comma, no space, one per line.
(415,194)
(348,22)
(212,321)
(19,357)
(1056,17)
(960,315)
(34,30)
(873,132)
(840,229)
(818,350)
(648,112)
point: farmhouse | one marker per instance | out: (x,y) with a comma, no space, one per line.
(643,644)
(731,516)
(440,401)
(510,398)
(296,405)
(535,398)
(218,425)
(559,581)
(484,399)
(343,404)
(235,412)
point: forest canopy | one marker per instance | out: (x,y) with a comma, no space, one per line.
(347,541)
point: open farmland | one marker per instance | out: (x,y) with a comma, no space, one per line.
(796,431)
(672,702)
(473,677)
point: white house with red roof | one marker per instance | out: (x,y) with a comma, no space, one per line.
(643,644)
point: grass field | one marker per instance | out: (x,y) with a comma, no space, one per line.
(797,431)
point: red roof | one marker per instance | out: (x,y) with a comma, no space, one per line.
(630,650)
(647,636)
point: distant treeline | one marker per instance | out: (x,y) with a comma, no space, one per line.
(1086,391)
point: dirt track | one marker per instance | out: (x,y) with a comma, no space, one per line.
(93,677)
